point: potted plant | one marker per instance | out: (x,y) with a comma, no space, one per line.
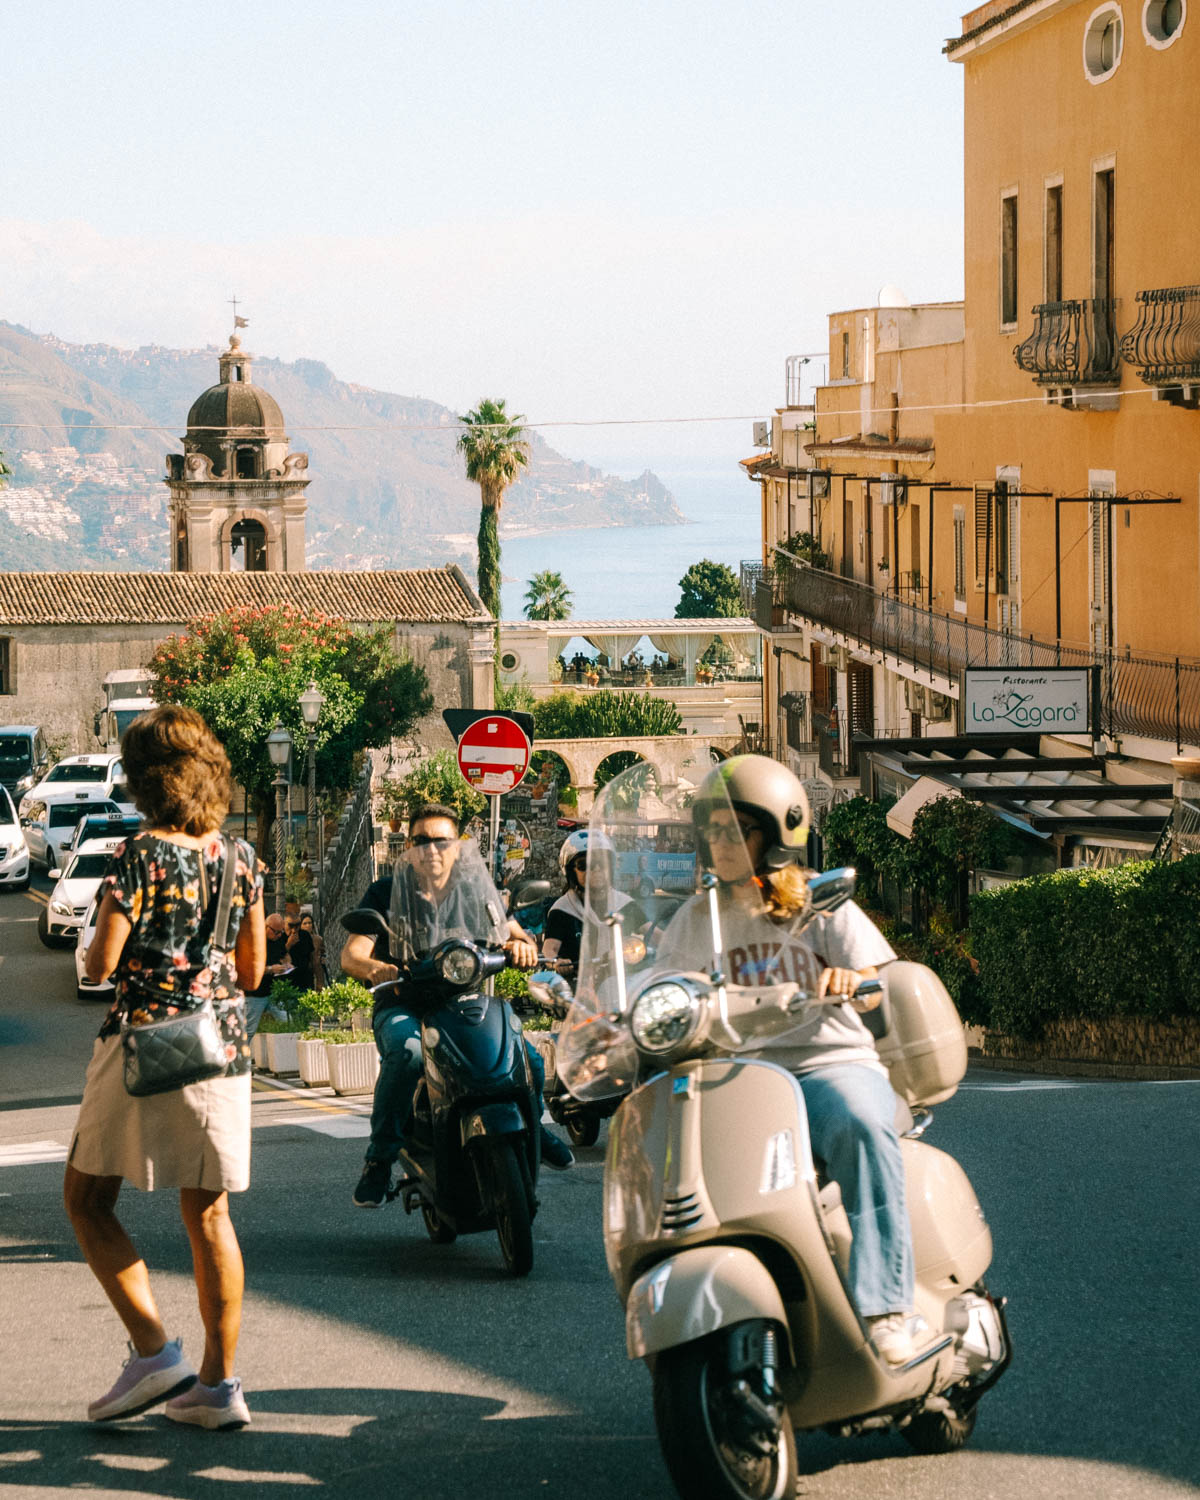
(393,802)
(280,1037)
(353,1065)
(317,1008)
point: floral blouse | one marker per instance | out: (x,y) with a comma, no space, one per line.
(168,965)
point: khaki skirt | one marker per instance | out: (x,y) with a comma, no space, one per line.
(195,1137)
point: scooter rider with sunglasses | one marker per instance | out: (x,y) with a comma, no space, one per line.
(434,837)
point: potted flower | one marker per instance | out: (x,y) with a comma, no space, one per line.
(393,802)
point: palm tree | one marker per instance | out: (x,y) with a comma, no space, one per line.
(547,597)
(494,446)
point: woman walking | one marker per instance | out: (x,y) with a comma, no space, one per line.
(155,932)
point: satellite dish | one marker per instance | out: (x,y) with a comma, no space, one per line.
(891,295)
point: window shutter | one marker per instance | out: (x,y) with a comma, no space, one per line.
(1014,542)
(820,680)
(861,681)
(960,552)
(983,503)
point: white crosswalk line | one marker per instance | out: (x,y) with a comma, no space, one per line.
(29,1153)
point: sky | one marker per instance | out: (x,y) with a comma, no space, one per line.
(613,213)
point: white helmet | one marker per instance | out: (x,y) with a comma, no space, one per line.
(583,841)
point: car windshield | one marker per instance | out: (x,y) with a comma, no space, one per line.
(88,866)
(77,773)
(14,749)
(8,813)
(68,814)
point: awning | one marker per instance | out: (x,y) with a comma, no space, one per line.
(925,789)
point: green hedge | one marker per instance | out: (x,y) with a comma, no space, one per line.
(1089,944)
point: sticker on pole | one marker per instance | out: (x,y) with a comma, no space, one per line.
(493,754)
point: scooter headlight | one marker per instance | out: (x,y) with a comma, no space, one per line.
(459,965)
(664,1016)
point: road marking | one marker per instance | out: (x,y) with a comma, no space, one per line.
(29,1153)
(342,1127)
(1040,1085)
(38,896)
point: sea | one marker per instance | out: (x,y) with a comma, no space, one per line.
(633,572)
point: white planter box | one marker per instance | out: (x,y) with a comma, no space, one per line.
(314,1063)
(353,1066)
(258,1050)
(281,1052)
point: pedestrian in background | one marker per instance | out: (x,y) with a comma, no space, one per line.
(277,965)
(154,934)
(308,925)
(301,952)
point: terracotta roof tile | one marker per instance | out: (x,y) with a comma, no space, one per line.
(438,595)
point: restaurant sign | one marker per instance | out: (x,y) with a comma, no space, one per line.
(1015,700)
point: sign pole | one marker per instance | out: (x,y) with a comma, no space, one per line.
(494,828)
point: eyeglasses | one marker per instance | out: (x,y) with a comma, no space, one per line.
(729,833)
(426,841)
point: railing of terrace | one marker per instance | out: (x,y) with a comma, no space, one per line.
(1154,696)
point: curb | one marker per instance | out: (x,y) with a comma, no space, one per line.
(1066,1067)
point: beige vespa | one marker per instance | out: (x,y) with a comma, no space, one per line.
(728,1246)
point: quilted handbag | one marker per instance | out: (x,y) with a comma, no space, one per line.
(161,1056)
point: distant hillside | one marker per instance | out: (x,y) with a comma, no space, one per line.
(388,487)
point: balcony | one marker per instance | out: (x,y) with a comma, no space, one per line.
(1073,351)
(1155,697)
(1164,343)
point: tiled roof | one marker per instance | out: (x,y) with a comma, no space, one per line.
(438,595)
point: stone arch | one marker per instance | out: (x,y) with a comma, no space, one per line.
(270,534)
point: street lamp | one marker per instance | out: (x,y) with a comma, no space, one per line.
(311,702)
(279,747)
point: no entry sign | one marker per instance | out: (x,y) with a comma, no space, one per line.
(493,754)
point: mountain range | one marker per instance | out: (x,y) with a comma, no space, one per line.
(85,428)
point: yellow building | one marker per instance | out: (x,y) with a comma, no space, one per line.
(1013,481)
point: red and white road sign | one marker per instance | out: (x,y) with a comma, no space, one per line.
(493,754)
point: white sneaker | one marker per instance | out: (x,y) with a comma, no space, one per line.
(891,1338)
(216,1407)
(145,1380)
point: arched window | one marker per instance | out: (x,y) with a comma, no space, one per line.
(248,547)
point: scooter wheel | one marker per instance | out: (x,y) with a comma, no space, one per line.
(510,1204)
(437,1230)
(938,1431)
(706,1456)
(584,1130)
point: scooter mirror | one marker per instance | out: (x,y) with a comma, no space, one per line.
(530,892)
(832,889)
(365,921)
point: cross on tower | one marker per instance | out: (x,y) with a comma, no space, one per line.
(237,322)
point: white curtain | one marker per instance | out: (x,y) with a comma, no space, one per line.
(673,643)
(612,646)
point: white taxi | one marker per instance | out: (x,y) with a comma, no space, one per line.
(93,776)
(14,854)
(85,988)
(64,913)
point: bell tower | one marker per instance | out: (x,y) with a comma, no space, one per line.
(237,494)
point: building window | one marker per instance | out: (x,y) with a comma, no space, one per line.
(1008,260)
(1053,245)
(1162,21)
(1103,37)
(7,665)
(1104,204)
(247,463)
(960,555)
(248,547)
(845,356)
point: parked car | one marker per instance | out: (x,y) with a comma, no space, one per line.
(85,988)
(24,758)
(49,824)
(102,826)
(95,775)
(63,914)
(14,856)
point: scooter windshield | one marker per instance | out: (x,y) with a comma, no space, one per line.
(659,862)
(441,889)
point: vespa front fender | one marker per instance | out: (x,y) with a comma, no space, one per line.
(493,1120)
(695,1293)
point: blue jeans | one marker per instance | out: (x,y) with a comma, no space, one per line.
(398,1038)
(255,1006)
(851,1122)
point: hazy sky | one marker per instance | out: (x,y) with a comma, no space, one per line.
(623,209)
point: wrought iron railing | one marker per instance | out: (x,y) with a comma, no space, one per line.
(1072,343)
(1165,341)
(1154,696)
(347,869)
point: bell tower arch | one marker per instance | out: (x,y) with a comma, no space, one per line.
(237,491)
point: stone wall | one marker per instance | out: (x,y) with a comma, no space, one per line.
(1109,1047)
(57,672)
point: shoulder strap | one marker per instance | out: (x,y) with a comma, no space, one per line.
(220,931)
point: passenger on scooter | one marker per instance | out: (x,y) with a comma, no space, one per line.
(751,821)
(434,844)
(584,857)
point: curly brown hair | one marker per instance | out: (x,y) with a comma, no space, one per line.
(177,770)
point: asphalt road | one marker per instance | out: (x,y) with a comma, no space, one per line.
(376,1363)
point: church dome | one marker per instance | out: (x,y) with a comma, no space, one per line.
(238,405)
